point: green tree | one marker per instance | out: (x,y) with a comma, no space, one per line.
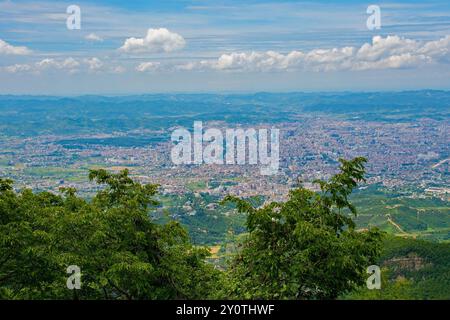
(306,247)
(122,253)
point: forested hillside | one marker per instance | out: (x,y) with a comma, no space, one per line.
(413,269)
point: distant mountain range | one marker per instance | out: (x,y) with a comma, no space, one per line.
(30,115)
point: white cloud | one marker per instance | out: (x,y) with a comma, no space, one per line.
(381,48)
(439,49)
(156,40)
(147,66)
(405,60)
(391,52)
(6,48)
(18,68)
(265,60)
(118,69)
(201,65)
(47,63)
(94,64)
(93,37)
(50,63)
(68,65)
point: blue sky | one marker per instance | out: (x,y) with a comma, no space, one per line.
(222,46)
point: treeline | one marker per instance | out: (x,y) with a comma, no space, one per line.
(304,248)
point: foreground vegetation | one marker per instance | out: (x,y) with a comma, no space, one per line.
(305,248)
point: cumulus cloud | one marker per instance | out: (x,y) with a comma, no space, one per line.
(384,47)
(8,49)
(18,68)
(147,66)
(391,52)
(67,65)
(438,50)
(118,69)
(93,37)
(49,63)
(156,40)
(94,64)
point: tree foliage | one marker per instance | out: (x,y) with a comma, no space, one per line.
(122,253)
(306,247)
